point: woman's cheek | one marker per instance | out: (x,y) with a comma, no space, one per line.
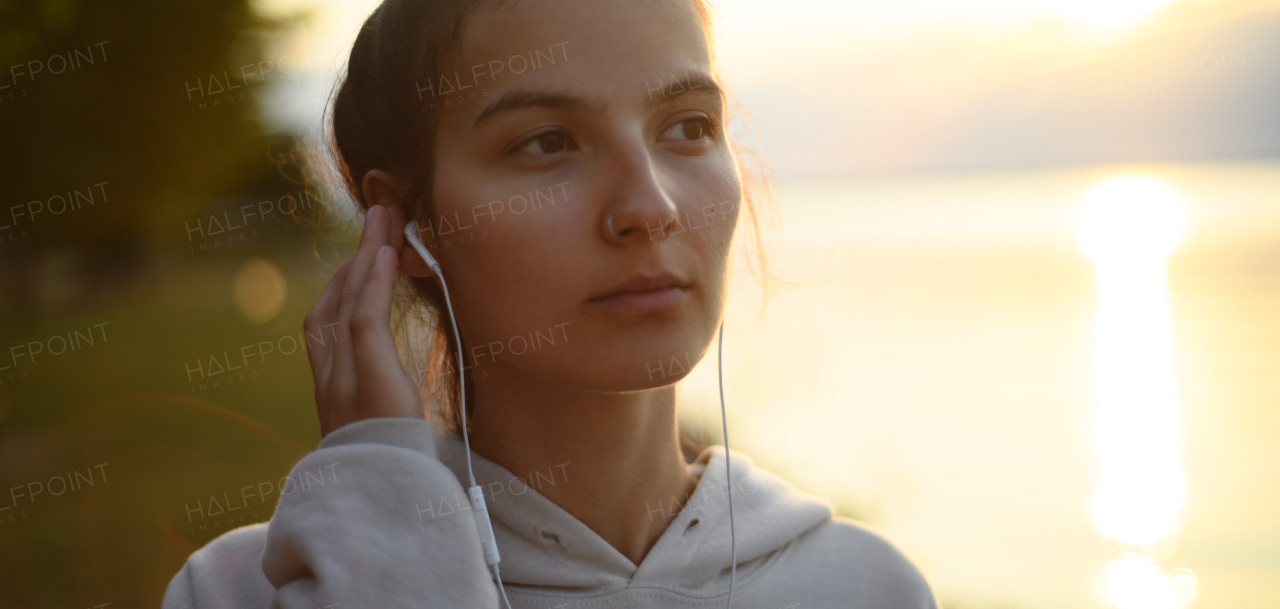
(520,293)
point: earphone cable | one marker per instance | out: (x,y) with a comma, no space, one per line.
(462,381)
(484,528)
(724,424)
(466,433)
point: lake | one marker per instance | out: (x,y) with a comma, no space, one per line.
(930,374)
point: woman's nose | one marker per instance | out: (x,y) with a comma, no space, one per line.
(640,207)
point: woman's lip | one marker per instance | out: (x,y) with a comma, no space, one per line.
(647,301)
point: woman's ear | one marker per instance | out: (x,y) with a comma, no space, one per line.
(381,188)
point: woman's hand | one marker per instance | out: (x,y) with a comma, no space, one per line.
(357,370)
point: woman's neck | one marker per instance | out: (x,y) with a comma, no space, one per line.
(614,459)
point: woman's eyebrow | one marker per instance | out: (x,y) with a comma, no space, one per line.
(676,89)
(693,81)
(519,100)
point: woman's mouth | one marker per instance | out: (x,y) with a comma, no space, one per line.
(648,301)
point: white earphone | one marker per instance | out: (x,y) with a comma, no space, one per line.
(481,512)
(411,231)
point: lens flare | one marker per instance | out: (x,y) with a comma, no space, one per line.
(259,290)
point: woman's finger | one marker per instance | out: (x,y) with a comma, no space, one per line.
(343,381)
(385,389)
(395,235)
(373,237)
(322,320)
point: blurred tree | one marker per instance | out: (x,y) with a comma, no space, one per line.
(140,105)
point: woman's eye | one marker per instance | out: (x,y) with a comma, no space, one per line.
(692,129)
(550,142)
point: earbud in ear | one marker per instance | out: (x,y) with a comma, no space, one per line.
(411,231)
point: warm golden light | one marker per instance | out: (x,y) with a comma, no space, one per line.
(1129,226)
(1133,581)
(1104,14)
(867,15)
(1132,217)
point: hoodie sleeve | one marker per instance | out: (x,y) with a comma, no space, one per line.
(347,533)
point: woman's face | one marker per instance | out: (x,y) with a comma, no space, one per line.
(556,115)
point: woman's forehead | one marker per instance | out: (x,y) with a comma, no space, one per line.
(616,44)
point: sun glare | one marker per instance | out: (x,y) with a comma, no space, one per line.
(1133,581)
(1109,15)
(1129,226)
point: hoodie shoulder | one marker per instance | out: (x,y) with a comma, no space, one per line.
(226,572)
(867,566)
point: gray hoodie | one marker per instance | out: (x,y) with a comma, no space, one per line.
(377,516)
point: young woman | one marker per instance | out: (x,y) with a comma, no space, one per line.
(566,163)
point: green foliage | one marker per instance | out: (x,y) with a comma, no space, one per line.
(120,112)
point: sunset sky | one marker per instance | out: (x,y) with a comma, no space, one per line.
(843,88)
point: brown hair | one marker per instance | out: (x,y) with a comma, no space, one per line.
(378,122)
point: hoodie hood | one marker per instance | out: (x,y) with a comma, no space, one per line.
(543,545)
